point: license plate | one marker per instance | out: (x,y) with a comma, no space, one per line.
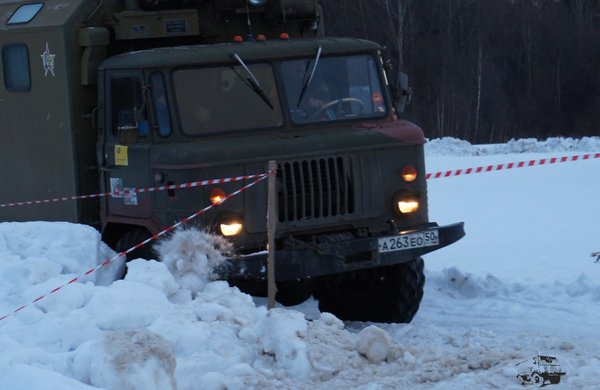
(408,241)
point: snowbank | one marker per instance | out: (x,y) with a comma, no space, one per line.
(449,146)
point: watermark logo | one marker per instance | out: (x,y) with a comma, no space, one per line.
(541,370)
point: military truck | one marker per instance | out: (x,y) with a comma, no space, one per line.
(112,96)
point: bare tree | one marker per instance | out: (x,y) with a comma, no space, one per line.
(488,70)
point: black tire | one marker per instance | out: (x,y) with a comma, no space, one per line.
(537,379)
(294,293)
(555,379)
(288,293)
(385,294)
(132,238)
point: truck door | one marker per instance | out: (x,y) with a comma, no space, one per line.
(127,145)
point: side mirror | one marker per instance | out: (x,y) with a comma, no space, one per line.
(402,92)
(128,136)
(127,128)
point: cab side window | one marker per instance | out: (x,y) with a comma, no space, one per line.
(160,103)
(15,62)
(128,110)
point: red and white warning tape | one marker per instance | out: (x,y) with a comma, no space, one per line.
(106,262)
(521,164)
(429,176)
(138,190)
(54,200)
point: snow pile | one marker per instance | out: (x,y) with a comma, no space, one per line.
(449,146)
(192,256)
(283,334)
(72,251)
(123,359)
(374,343)
(457,283)
(149,331)
(32,265)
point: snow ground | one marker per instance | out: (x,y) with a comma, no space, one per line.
(521,283)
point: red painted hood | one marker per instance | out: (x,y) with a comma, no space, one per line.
(399,129)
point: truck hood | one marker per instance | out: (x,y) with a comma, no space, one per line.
(280,145)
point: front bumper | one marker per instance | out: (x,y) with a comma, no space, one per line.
(301,260)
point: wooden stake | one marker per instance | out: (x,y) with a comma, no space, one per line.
(271,227)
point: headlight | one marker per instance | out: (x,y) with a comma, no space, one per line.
(406,203)
(408,206)
(232,228)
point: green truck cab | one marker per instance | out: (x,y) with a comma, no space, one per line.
(109,97)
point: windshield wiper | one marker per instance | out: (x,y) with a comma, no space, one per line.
(308,79)
(253,83)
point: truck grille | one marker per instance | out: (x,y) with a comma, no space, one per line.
(317,188)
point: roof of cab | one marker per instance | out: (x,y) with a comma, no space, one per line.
(248,51)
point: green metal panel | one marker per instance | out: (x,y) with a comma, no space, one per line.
(36,137)
(46,144)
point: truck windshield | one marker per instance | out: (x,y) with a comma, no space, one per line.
(341,88)
(223,98)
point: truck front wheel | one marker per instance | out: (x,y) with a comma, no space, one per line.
(133,237)
(384,294)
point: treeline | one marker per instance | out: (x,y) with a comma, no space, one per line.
(487,70)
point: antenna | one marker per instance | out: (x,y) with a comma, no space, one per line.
(254,3)
(250,36)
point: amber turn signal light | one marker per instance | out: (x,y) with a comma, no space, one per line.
(217,195)
(409,173)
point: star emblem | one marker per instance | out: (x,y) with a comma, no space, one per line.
(48,61)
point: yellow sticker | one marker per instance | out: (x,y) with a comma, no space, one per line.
(121,155)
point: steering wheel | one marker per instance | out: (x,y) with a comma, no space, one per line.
(332,103)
